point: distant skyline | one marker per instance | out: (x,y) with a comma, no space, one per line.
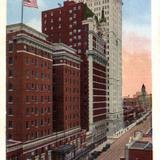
(136,48)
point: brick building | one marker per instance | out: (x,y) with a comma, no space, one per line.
(139,148)
(14,150)
(29,84)
(97,79)
(65,24)
(132,110)
(69,24)
(30,94)
(66,86)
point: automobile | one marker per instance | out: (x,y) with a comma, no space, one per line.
(106,147)
(95,154)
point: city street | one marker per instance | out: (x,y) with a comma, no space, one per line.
(116,150)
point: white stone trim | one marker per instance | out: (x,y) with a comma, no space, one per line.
(100,102)
(99,70)
(100,83)
(90,81)
(99,115)
(64,64)
(24,51)
(99,76)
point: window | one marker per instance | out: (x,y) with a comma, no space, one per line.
(79,7)
(10,111)
(70,26)
(10,86)
(79,50)
(10,47)
(70,39)
(45,15)
(10,74)
(10,124)
(10,99)
(9,136)
(10,60)
(27,98)
(27,124)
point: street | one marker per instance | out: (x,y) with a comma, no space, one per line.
(116,150)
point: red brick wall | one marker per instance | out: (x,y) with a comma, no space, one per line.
(51,26)
(140,155)
(66,95)
(27,111)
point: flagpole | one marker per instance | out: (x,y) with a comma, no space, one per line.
(22,11)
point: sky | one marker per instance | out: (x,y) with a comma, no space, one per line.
(136,39)
(136,46)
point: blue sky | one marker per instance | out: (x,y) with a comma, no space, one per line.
(136,14)
(137,17)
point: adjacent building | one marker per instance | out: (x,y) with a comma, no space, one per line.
(75,25)
(64,24)
(97,63)
(132,110)
(139,148)
(109,13)
(66,87)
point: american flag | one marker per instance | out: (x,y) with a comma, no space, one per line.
(30,3)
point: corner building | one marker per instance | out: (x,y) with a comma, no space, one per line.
(29,84)
(30,97)
(68,24)
(112,33)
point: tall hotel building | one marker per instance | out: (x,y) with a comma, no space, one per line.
(69,25)
(112,31)
(40,119)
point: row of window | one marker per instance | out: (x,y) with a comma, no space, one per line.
(33,135)
(73,90)
(71,116)
(72,124)
(36,74)
(38,87)
(72,99)
(39,98)
(31,49)
(37,123)
(37,110)
(37,134)
(69,108)
(37,62)
(33,98)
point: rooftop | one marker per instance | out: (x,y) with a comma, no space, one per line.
(143,145)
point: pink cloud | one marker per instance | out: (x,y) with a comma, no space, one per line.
(136,60)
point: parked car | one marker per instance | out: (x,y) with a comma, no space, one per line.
(106,147)
(95,154)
